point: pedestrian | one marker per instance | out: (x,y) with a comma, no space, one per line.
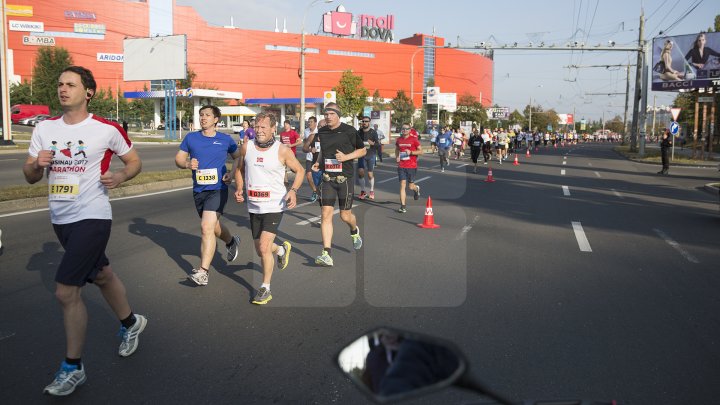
(81,216)
(433,139)
(665,145)
(125,126)
(339,145)
(366,164)
(444,142)
(262,165)
(309,146)
(407,150)
(381,137)
(208,150)
(288,137)
(248,130)
(476,143)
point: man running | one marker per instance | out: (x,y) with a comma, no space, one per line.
(262,166)
(208,150)
(367,163)
(311,154)
(476,143)
(444,142)
(81,216)
(339,145)
(407,149)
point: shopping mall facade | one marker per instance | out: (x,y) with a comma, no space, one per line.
(262,66)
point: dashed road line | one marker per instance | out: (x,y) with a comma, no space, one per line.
(564,162)
(562,172)
(467,228)
(598,174)
(566,191)
(618,195)
(676,246)
(422,179)
(582,240)
(314,219)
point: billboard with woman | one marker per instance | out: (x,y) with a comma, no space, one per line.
(686,61)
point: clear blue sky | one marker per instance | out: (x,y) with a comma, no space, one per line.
(519,75)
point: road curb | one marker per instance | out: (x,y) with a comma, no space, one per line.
(42,202)
(712,188)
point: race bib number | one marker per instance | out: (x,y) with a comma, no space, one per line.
(317,147)
(442,141)
(63,187)
(476,143)
(404,155)
(258,193)
(333,166)
(206,177)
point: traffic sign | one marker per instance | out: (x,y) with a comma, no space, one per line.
(675,112)
(674,128)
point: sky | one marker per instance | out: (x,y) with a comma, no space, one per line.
(519,76)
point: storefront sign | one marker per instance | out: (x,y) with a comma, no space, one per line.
(379,28)
(38,41)
(19,11)
(29,26)
(110,57)
(80,15)
(340,22)
(87,28)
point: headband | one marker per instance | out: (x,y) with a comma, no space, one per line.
(266,144)
(335,110)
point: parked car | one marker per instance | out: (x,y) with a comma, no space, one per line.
(20,111)
(32,121)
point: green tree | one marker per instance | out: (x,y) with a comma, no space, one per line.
(20,94)
(403,109)
(469,108)
(351,95)
(517,118)
(49,63)
(378,104)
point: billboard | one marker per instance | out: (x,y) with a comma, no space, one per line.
(686,61)
(498,113)
(156,58)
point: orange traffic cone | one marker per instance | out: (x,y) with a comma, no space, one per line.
(489,176)
(516,163)
(429,222)
(527,154)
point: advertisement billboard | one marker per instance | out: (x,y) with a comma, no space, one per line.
(686,61)
(498,113)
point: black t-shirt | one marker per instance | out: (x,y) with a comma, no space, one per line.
(370,135)
(475,142)
(345,139)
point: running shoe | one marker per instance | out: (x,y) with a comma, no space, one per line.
(324,259)
(313,197)
(232,250)
(66,380)
(416,192)
(371,195)
(285,258)
(200,277)
(442,170)
(131,336)
(262,297)
(402,210)
(362,195)
(356,239)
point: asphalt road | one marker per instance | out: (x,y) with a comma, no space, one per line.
(631,313)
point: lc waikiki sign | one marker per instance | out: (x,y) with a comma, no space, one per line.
(340,22)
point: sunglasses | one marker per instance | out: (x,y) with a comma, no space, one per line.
(366,122)
(405,129)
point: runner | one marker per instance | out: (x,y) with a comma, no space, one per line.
(311,154)
(476,143)
(444,142)
(367,163)
(407,150)
(262,166)
(339,145)
(207,150)
(81,216)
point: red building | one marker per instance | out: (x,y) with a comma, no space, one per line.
(260,64)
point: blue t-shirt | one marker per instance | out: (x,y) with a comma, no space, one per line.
(444,141)
(211,153)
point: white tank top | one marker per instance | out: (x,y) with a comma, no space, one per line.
(264,179)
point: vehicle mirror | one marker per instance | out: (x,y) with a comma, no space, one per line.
(390,364)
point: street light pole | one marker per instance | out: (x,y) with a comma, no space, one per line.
(302,66)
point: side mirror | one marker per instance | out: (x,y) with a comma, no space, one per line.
(389,364)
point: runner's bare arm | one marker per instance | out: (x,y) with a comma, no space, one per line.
(133,166)
(34,167)
(240,173)
(181,160)
(288,159)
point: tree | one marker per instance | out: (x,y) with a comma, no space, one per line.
(517,118)
(351,95)
(49,63)
(20,94)
(469,108)
(403,109)
(378,104)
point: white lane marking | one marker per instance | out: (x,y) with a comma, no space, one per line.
(305,204)
(385,181)
(467,228)
(618,195)
(5,335)
(562,172)
(423,179)
(314,219)
(564,162)
(564,157)
(598,174)
(676,246)
(589,164)
(462,165)
(566,190)
(582,240)
(7,160)
(112,199)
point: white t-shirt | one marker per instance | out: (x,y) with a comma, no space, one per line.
(264,179)
(308,132)
(82,152)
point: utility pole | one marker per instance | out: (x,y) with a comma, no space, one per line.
(638,85)
(627,96)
